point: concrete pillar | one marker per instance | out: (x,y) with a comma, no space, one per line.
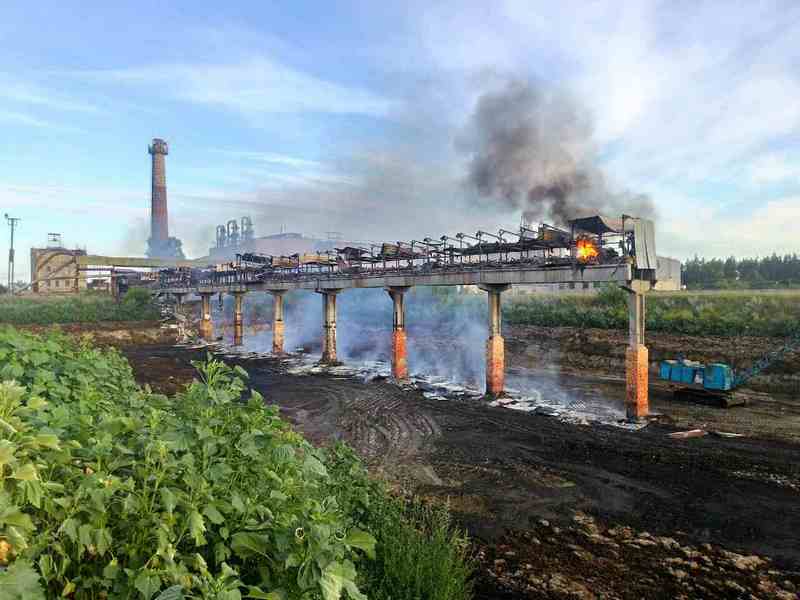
(329,327)
(206,326)
(399,356)
(238,318)
(277,321)
(637,405)
(495,345)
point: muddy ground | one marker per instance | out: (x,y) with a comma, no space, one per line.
(561,510)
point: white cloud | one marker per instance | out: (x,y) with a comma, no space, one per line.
(255,85)
(10,116)
(774,168)
(272,158)
(25,93)
(711,231)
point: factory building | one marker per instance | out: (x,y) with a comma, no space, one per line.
(238,237)
(54,269)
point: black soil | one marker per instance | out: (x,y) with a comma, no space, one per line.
(559,510)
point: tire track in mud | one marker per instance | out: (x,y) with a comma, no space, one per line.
(504,468)
(378,419)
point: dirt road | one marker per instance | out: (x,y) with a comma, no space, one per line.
(561,510)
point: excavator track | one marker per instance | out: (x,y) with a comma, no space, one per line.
(700,395)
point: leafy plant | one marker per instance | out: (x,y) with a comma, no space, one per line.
(108,490)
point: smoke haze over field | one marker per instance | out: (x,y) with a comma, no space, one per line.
(520,148)
(531,149)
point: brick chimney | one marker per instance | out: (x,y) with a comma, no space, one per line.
(159,228)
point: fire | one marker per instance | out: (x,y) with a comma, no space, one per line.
(586,250)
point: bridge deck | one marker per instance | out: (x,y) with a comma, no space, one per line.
(617,273)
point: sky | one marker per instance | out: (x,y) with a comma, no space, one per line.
(351,116)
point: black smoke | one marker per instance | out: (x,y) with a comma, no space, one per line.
(531,149)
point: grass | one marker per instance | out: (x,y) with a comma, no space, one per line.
(726,313)
(420,554)
(84,308)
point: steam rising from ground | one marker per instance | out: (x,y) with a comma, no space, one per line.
(531,149)
(364,325)
(446,337)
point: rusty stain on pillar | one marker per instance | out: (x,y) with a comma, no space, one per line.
(329,327)
(277,321)
(399,355)
(637,405)
(238,318)
(495,345)
(206,326)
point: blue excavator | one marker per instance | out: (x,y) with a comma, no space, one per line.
(715,383)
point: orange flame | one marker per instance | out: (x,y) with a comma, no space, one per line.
(586,250)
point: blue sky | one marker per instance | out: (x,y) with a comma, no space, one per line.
(344,116)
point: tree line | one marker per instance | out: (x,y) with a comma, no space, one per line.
(716,273)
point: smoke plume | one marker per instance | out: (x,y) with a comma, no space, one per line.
(532,150)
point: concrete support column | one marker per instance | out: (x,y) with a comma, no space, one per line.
(277,321)
(206,326)
(238,318)
(399,356)
(637,404)
(329,326)
(495,345)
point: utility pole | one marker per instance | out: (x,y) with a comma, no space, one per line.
(12,223)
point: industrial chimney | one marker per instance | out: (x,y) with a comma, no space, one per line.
(159,228)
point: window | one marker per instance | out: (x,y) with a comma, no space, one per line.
(57,282)
(586,285)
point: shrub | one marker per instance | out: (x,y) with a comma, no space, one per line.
(111,491)
(721,313)
(137,305)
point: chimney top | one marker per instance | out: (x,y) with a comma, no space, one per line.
(158,146)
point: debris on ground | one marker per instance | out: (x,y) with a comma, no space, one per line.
(682,435)
(586,559)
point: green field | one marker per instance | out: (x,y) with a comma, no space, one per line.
(83,308)
(108,490)
(724,312)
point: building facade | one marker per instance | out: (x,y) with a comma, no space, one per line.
(55,271)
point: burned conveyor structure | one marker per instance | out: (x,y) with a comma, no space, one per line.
(594,249)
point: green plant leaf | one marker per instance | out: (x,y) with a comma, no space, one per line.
(197,527)
(312,465)
(47,440)
(70,527)
(357,538)
(247,544)
(7,449)
(213,514)
(20,582)
(337,577)
(147,584)
(26,472)
(13,516)
(168,500)
(257,593)
(171,593)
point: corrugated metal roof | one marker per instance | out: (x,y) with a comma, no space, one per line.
(597,224)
